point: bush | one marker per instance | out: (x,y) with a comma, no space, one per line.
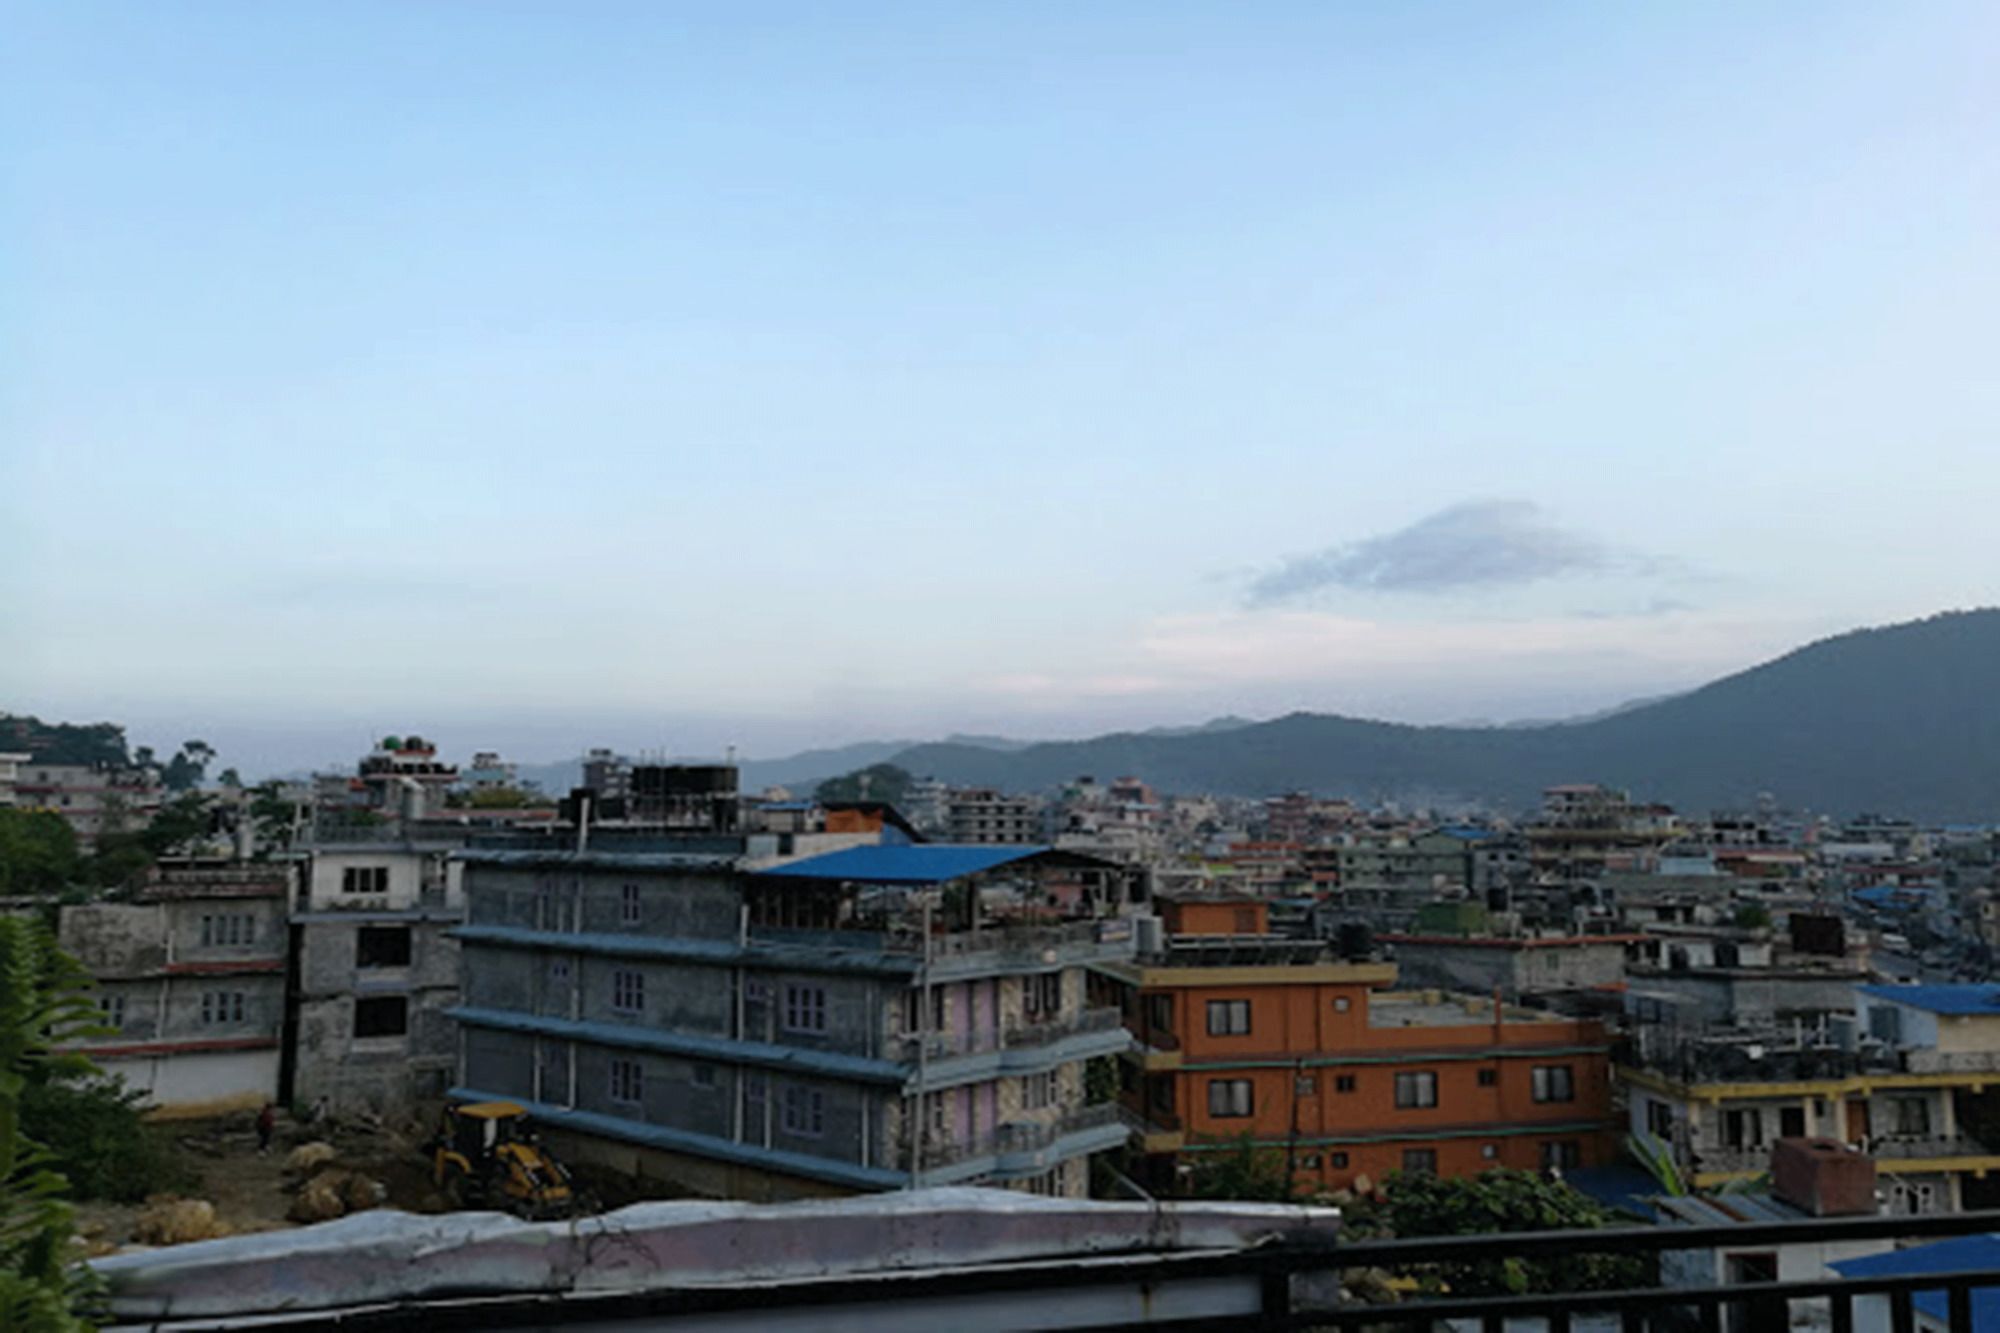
(92,1132)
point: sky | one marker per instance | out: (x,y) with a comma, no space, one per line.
(675,376)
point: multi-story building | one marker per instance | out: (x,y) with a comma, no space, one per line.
(866,1019)
(1318,1060)
(191,977)
(982,815)
(404,777)
(1586,830)
(375,972)
(95,799)
(10,774)
(1513,965)
(1913,1079)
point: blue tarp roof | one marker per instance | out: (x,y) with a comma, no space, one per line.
(1980,998)
(1620,1185)
(1960,1254)
(925,863)
(1887,895)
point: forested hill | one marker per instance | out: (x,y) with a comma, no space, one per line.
(1901,719)
(62,742)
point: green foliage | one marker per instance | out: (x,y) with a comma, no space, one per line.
(92,1130)
(186,769)
(37,852)
(275,815)
(43,1005)
(1242,1171)
(1752,916)
(1497,1201)
(63,742)
(500,798)
(877,782)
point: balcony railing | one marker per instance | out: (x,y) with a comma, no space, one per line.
(1021,1136)
(1021,1035)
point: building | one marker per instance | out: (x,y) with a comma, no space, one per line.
(191,978)
(95,799)
(1319,1060)
(10,774)
(376,970)
(981,815)
(873,1018)
(403,777)
(1910,1079)
(1586,830)
(1514,966)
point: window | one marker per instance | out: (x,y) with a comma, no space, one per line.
(628,991)
(1041,1091)
(222,1006)
(628,1083)
(559,971)
(1489,1151)
(112,1008)
(1042,997)
(628,905)
(804,1111)
(1791,1122)
(1339,1161)
(1340,1004)
(1228,1018)
(222,929)
(704,1076)
(754,1103)
(364,879)
(1489,1078)
(1160,1012)
(1420,1161)
(1229,1097)
(805,1008)
(1343,1083)
(1419,1089)
(937,1118)
(382,946)
(1659,1119)
(381,1016)
(1305,1085)
(1913,1116)
(1743,1128)
(1561,1155)
(1554,1083)
(1309,1161)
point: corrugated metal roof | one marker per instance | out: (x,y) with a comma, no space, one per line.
(1960,1254)
(925,863)
(1979,998)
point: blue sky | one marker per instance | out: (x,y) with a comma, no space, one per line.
(539,375)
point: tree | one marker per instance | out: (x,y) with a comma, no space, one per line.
(1496,1201)
(37,852)
(1753,916)
(1241,1171)
(186,769)
(43,1006)
(231,778)
(877,782)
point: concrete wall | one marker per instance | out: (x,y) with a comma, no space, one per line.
(388,1076)
(188,1085)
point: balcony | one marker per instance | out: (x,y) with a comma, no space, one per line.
(1021,1140)
(1016,1036)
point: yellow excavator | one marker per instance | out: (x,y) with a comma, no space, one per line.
(486,1155)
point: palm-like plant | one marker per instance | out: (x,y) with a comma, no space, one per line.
(44,1005)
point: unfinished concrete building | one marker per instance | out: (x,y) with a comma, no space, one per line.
(868,1019)
(191,978)
(375,972)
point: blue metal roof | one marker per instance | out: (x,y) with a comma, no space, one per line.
(1960,1254)
(1979,998)
(1621,1186)
(922,863)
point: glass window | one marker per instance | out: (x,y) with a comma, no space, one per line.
(1343,1083)
(1489,1078)
(112,1007)
(805,1008)
(1420,1161)
(628,991)
(628,1083)
(1229,1097)
(381,1016)
(1417,1089)
(804,1111)
(1228,1018)
(218,1006)
(1554,1083)
(382,946)
(628,904)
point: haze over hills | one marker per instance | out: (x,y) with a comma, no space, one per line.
(1901,719)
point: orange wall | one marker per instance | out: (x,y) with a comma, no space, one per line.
(853,821)
(1297,1021)
(1229,918)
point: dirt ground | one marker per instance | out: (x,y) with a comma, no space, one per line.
(250,1190)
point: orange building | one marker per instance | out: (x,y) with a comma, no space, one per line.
(1321,1061)
(1220,915)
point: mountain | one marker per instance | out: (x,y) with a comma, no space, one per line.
(1902,719)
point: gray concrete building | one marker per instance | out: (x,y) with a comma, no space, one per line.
(1513,965)
(376,971)
(869,1019)
(980,815)
(191,978)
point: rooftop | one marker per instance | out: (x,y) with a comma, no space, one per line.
(1982,998)
(1441,1009)
(926,863)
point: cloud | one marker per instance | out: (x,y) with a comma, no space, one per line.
(1477,544)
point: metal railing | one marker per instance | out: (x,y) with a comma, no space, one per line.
(1020,1035)
(1020,1136)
